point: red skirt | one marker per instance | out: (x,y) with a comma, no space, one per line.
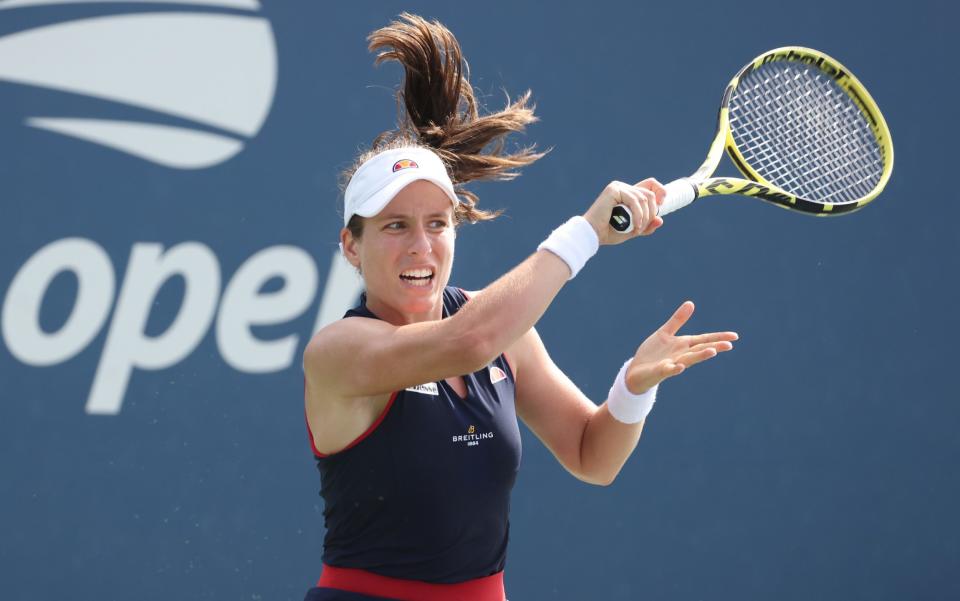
(373,587)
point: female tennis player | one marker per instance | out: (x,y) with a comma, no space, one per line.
(412,399)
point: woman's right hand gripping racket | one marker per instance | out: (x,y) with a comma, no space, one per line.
(804,132)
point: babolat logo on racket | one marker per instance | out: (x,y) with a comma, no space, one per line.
(405,164)
(719,185)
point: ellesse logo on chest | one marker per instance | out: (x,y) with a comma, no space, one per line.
(496,374)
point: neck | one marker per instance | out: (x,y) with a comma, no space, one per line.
(400,317)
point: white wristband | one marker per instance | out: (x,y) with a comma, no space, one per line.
(625,406)
(575,242)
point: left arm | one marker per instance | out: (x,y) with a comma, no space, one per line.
(586,439)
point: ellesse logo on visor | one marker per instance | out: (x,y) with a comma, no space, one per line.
(405,164)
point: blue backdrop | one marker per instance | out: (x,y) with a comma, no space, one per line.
(168,188)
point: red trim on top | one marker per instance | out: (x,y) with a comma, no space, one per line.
(488,588)
(367,432)
(356,441)
(313,446)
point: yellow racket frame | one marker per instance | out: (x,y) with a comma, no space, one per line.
(759,187)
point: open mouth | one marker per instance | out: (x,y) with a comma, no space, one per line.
(417,277)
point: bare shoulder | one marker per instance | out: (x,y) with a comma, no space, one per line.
(329,347)
(336,419)
(342,329)
(363,357)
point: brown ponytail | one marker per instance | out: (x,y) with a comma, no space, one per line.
(440,111)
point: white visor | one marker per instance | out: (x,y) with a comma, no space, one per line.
(380,178)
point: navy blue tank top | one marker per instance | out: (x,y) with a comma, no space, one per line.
(424,494)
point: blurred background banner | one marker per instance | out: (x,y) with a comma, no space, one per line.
(168,186)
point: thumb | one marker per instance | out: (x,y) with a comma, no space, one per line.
(655,223)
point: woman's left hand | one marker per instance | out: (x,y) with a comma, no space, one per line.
(664,354)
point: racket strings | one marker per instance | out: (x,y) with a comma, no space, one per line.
(804,168)
(816,170)
(835,153)
(848,153)
(801,132)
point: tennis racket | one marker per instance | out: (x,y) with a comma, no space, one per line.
(802,130)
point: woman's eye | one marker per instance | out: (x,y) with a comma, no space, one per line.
(396,225)
(439,224)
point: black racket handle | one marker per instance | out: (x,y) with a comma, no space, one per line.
(621,219)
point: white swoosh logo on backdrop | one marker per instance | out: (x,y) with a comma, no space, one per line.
(219,70)
(242,4)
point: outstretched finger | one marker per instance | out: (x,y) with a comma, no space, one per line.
(712,337)
(679,317)
(720,347)
(688,359)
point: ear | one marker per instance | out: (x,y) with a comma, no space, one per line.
(348,246)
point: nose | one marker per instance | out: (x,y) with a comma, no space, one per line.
(419,242)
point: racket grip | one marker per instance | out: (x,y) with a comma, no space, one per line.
(680,193)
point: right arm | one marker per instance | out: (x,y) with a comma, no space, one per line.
(396,357)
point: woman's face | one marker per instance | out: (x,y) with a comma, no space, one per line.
(406,253)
